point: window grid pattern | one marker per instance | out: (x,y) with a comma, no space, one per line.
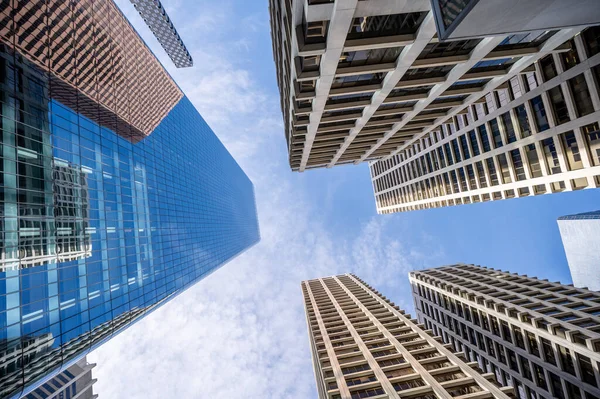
(97,230)
(552,154)
(363,345)
(441,77)
(540,337)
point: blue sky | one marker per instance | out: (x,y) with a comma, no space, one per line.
(242,331)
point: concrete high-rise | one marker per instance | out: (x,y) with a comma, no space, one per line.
(115,195)
(364,346)
(441,122)
(76,382)
(579,235)
(543,338)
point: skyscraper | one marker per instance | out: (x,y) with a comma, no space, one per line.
(441,122)
(115,195)
(542,338)
(76,382)
(364,346)
(579,235)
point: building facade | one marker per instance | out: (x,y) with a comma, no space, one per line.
(579,235)
(466,19)
(115,195)
(364,346)
(540,337)
(76,382)
(370,81)
(534,133)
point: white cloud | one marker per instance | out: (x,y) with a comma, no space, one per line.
(241,332)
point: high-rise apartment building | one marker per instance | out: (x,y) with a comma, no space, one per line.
(579,235)
(115,195)
(543,338)
(76,382)
(364,346)
(441,122)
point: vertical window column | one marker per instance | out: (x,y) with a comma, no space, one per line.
(593,85)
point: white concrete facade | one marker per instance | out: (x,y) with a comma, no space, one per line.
(535,132)
(363,346)
(579,235)
(541,337)
(366,80)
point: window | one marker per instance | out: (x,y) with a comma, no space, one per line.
(591,38)
(496,133)
(559,106)
(551,156)
(519,171)
(557,389)
(367,393)
(548,351)
(526,370)
(508,127)
(587,370)
(474,145)
(566,361)
(483,136)
(573,392)
(571,151)
(540,378)
(581,95)
(533,346)
(539,112)
(570,58)
(504,168)
(533,160)
(548,68)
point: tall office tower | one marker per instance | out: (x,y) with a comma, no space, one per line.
(579,235)
(115,195)
(370,80)
(542,338)
(76,382)
(441,122)
(364,346)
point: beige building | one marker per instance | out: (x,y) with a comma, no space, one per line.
(543,338)
(441,123)
(367,80)
(363,346)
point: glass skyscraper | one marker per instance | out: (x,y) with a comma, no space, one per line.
(115,195)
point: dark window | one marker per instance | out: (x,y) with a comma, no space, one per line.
(581,95)
(493,181)
(587,370)
(566,361)
(559,105)
(520,174)
(496,133)
(540,378)
(508,127)
(525,367)
(548,68)
(591,38)
(483,136)
(570,58)
(548,351)
(465,146)
(456,150)
(557,389)
(523,121)
(474,145)
(573,392)
(539,113)
(451,9)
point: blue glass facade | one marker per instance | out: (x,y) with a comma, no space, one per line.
(95,230)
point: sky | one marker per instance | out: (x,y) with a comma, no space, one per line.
(242,330)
